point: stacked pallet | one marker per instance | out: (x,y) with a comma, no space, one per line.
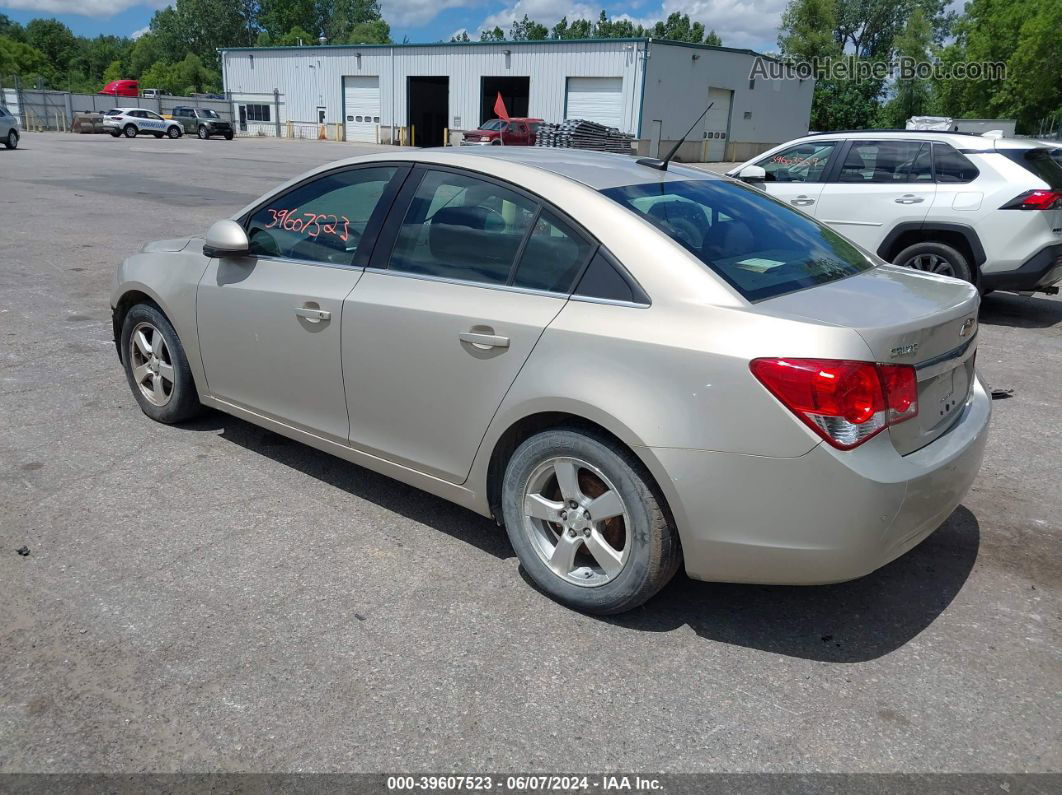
(583,134)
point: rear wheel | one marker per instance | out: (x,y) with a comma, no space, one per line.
(585,522)
(130,131)
(935,258)
(11,142)
(156,366)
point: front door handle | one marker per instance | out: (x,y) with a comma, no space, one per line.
(483,340)
(909,198)
(801,201)
(313,314)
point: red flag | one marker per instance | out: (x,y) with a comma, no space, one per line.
(499,108)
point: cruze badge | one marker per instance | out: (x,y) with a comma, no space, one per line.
(966,327)
(904,350)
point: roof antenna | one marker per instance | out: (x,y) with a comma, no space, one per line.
(661,165)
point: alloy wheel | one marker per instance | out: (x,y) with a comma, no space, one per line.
(577,521)
(152,366)
(931,263)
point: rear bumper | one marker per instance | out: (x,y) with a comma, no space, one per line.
(1041,270)
(826,516)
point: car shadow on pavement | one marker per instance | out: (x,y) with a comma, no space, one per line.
(390,494)
(849,622)
(1020,311)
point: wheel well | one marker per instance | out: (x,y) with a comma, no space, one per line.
(125,303)
(515,435)
(957,240)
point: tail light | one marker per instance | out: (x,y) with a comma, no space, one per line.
(844,402)
(1035,200)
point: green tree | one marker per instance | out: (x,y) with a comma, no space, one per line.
(113,72)
(911,95)
(375,32)
(17,58)
(54,39)
(200,27)
(11,29)
(280,17)
(462,36)
(528,30)
(492,35)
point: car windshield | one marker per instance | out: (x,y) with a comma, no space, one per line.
(761,247)
(209,114)
(493,124)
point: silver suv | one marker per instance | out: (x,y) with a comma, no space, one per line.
(987,210)
(8,128)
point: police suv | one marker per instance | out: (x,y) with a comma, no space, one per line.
(132,122)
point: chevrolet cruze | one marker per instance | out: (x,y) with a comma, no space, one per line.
(632,369)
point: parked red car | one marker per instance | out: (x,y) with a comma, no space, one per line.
(122,88)
(514,132)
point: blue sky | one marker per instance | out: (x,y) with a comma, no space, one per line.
(741,23)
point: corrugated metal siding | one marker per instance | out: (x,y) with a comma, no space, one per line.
(310,77)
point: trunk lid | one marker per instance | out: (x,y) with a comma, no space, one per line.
(905,317)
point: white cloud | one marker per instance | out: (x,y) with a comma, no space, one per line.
(417,13)
(87,8)
(136,34)
(546,12)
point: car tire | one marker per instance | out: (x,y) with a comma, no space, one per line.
(116,133)
(11,142)
(157,135)
(639,544)
(130,131)
(203,132)
(150,349)
(174,132)
(936,258)
(229,136)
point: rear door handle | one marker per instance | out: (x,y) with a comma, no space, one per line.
(801,201)
(909,198)
(312,314)
(483,340)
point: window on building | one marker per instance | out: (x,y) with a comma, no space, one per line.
(321,221)
(553,256)
(460,227)
(804,162)
(258,113)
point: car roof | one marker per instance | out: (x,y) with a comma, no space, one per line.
(960,140)
(597,170)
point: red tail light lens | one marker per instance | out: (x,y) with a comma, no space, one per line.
(1035,200)
(844,402)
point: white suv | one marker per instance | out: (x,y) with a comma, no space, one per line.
(988,210)
(132,122)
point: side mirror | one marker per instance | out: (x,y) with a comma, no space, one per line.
(226,239)
(753,175)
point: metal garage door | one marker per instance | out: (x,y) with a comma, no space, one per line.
(598,99)
(717,124)
(361,107)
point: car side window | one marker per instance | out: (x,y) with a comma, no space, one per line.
(151,115)
(460,227)
(886,161)
(321,221)
(951,166)
(804,162)
(553,256)
(602,279)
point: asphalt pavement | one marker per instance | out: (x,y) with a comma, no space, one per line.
(214,597)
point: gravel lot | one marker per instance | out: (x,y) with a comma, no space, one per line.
(215,597)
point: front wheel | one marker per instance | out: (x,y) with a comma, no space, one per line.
(130,131)
(228,136)
(174,132)
(156,366)
(11,142)
(586,523)
(935,258)
(203,133)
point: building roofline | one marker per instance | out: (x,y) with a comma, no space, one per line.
(539,42)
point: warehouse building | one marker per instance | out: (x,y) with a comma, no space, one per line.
(422,94)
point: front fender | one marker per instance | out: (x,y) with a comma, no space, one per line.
(170,279)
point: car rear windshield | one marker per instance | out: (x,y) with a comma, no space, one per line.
(1039,162)
(761,247)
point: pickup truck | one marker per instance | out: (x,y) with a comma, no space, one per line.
(203,122)
(514,132)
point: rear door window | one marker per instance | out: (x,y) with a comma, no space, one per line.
(460,227)
(886,161)
(951,166)
(757,244)
(553,256)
